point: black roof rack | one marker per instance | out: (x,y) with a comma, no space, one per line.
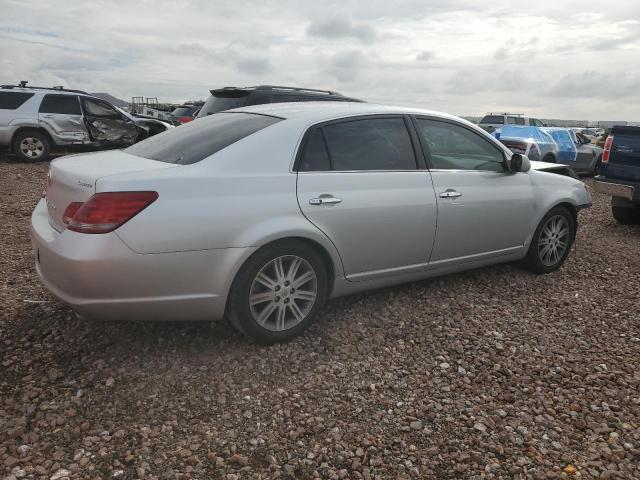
(23,84)
(277,87)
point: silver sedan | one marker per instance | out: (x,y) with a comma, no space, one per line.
(262,213)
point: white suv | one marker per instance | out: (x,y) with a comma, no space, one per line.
(34,120)
(493,121)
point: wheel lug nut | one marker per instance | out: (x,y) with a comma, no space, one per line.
(277,288)
(286,300)
(293,290)
(277,299)
(286,284)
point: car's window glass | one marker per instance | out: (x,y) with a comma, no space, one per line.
(184,111)
(216,104)
(519,120)
(455,147)
(511,121)
(67,104)
(495,119)
(538,123)
(12,100)
(315,157)
(371,144)
(99,109)
(197,140)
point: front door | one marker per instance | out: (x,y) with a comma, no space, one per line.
(107,125)
(483,210)
(359,182)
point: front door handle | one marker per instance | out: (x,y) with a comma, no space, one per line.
(450,193)
(324,200)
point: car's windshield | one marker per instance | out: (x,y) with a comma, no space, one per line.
(195,141)
(218,103)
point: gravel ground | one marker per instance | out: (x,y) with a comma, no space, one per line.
(494,373)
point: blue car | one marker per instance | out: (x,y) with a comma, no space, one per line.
(533,142)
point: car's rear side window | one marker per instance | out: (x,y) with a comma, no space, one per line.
(370,144)
(13,100)
(194,141)
(66,104)
(217,103)
(315,157)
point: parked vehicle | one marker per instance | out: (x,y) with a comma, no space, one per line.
(492,121)
(620,173)
(35,120)
(576,150)
(533,142)
(263,213)
(185,113)
(233,97)
(553,144)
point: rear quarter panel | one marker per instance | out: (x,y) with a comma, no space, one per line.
(243,196)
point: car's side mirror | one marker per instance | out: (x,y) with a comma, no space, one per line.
(519,163)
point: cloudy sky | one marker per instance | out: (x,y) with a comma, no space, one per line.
(577,59)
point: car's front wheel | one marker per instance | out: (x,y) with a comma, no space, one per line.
(31,146)
(278,292)
(552,241)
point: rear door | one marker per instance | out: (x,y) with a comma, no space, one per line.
(61,113)
(107,125)
(359,181)
(483,210)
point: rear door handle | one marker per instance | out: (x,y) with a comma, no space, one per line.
(324,200)
(450,194)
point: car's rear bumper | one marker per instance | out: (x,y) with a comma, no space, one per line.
(100,277)
(618,188)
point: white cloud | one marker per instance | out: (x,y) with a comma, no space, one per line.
(569,59)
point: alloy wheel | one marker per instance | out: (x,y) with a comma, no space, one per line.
(31,147)
(554,240)
(283,293)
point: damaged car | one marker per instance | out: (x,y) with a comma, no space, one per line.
(36,120)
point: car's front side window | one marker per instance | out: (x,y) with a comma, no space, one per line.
(454,147)
(370,144)
(99,109)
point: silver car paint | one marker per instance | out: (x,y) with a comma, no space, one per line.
(178,258)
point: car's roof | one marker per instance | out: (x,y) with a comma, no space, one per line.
(45,91)
(320,111)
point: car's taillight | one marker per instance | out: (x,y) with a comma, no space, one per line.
(104,212)
(70,211)
(607,149)
(185,119)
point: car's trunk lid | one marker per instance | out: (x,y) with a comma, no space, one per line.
(73,178)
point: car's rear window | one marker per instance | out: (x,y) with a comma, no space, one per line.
(217,102)
(12,100)
(182,111)
(495,119)
(197,140)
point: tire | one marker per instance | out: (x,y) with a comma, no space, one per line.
(549,158)
(264,322)
(31,146)
(550,230)
(596,167)
(626,215)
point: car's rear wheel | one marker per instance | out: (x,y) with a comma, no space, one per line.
(552,241)
(549,159)
(278,292)
(31,146)
(626,215)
